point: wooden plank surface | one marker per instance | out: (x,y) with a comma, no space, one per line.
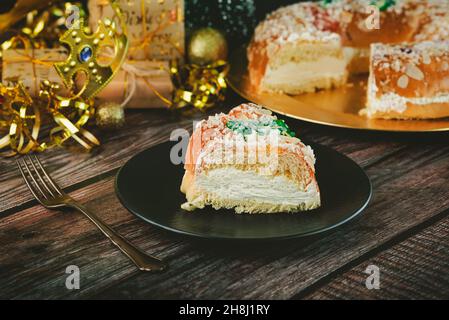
(417,267)
(38,245)
(282,271)
(409,176)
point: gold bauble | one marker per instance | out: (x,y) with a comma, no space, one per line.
(110,115)
(207,45)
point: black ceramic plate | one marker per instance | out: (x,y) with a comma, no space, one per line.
(148,185)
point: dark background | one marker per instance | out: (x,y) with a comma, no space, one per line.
(236,18)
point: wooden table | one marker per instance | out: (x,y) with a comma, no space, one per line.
(404,231)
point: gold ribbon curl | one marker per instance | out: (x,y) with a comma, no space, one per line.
(70,115)
(22,119)
(199,86)
(20,116)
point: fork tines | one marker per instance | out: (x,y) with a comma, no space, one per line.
(37,179)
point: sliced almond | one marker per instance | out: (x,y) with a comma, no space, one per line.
(397,65)
(403,82)
(445,66)
(414,72)
(426,59)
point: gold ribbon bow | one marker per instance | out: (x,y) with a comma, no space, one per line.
(70,114)
(21,117)
(199,86)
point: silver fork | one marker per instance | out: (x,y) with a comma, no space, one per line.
(51,196)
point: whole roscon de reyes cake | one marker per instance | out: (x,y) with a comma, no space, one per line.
(250,161)
(316,45)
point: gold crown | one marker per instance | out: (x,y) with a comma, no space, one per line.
(83,57)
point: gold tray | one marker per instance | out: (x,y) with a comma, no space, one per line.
(338,107)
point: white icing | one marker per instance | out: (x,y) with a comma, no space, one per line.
(297,22)
(396,103)
(218,149)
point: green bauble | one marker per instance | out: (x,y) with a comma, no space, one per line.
(207,45)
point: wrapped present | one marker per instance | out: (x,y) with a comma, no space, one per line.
(155,28)
(32,66)
(139,84)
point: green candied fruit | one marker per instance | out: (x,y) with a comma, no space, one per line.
(247,127)
(383,4)
(282,127)
(281,123)
(239,127)
(234,125)
(247,130)
(230,124)
(326,2)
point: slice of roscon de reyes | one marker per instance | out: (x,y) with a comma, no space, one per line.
(250,161)
(409,81)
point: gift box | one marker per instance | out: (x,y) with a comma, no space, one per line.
(141,84)
(146,83)
(32,66)
(155,27)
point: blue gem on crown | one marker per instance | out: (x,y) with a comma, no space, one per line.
(85,54)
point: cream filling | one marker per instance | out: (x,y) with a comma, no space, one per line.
(300,72)
(352,53)
(237,185)
(396,103)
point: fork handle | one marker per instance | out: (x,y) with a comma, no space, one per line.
(142,260)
